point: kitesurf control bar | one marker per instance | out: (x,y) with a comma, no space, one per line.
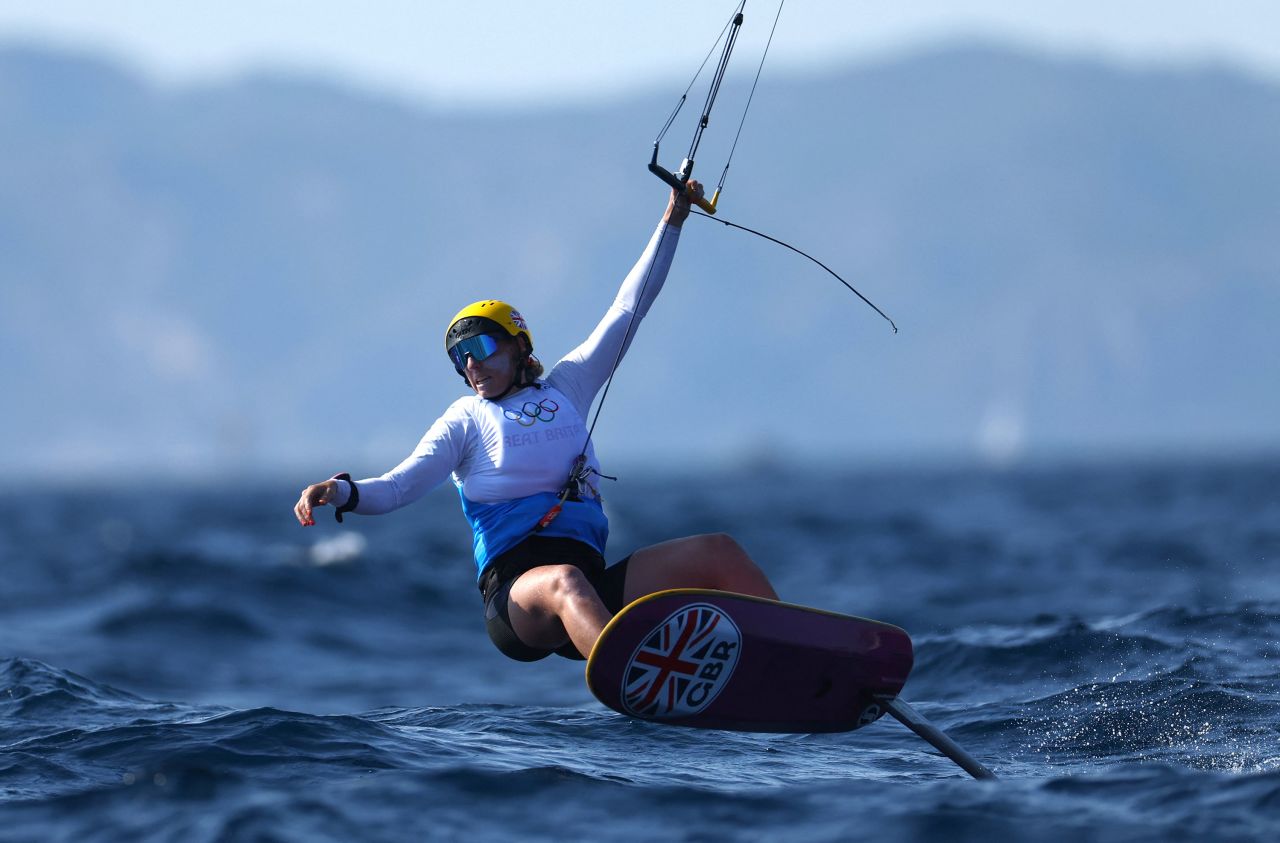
(913,720)
(680,181)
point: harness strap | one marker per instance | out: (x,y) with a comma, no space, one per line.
(578,477)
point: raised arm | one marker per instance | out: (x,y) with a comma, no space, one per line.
(581,372)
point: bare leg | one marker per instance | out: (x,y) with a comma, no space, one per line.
(714,561)
(554,603)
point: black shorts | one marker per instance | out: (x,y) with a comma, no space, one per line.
(535,551)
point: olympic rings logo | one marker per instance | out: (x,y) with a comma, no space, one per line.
(544,411)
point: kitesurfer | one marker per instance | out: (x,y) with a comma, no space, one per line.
(539,542)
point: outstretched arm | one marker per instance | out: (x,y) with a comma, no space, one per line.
(440,451)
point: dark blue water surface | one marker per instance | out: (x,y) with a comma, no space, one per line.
(174,666)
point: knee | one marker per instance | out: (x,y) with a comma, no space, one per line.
(719,546)
(567,582)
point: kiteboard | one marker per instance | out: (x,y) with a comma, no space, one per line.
(717,660)
(695,657)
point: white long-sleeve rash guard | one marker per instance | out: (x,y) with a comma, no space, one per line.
(510,458)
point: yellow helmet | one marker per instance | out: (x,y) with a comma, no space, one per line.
(486,317)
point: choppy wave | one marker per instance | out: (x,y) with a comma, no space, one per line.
(1171,755)
(1106,644)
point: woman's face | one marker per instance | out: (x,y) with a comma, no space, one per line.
(493,376)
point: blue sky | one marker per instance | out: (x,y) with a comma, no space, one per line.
(532,53)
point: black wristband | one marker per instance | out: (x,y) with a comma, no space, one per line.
(353,500)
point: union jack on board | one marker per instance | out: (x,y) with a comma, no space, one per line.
(682,664)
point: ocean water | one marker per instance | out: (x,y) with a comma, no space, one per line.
(1106,638)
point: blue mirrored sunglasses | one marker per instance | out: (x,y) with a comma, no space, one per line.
(480,347)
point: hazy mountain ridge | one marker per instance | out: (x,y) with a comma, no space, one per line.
(260,273)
